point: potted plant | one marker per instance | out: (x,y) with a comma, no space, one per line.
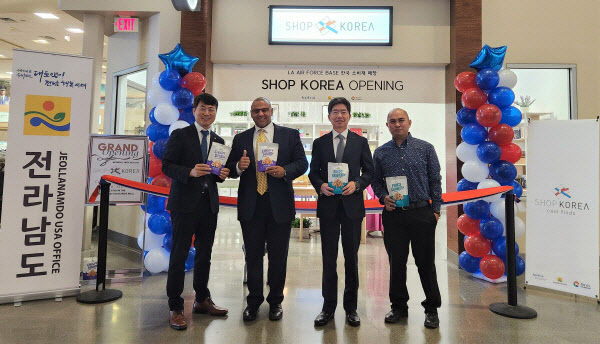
(296,116)
(524,103)
(239,115)
(361,116)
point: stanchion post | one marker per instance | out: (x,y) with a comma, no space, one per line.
(101,295)
(511,309)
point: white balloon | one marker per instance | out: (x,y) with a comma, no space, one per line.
(157,260)
(490,183)
(519,207)
(152,240)
(166,114)
(158,95)
(177,125)
(497,209)
(466,152)
(155,82)
(508,78)
(475,171)
(519,227)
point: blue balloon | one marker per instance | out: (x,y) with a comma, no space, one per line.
(499,247)
(503,171)
(465,185)
(466,116)
(156,204)
(187,115)
(182,98)
(473,133)
(145,253)
(168,242)
(511,116)
(518,189)
(488,152)
(150,179)
(151,116)
(169,79)
(468,263)
(160,223)
(487,79)
(491,228)
(477,210)
(489,57)
(178,60)
(159,148)
(189,262)
(501,97)
(520,266)
(157,132)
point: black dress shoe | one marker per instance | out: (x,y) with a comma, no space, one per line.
(432,320)
(250,313)
(353,319)
(275,312)
(323,318)
(395,315)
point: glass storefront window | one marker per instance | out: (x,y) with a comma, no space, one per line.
(131,103)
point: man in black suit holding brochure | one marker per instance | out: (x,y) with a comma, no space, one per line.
(340,213)
(266,202)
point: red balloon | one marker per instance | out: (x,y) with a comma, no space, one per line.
(477,246)
(194,82)
(488,115)
(155,166)
(467,225)
(464,81)
(492,266)
(501,134)
(473,98)
(511,153)
(162,180)
(150,144)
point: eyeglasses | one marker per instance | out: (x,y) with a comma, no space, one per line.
(343,112)
(209,110)
(257,111)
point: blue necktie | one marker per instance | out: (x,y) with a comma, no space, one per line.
(204,145)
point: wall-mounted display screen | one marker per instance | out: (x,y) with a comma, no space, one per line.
(330,25)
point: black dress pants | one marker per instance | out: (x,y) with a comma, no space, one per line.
(331,227)
(262,229)
(417,228)
(202,223)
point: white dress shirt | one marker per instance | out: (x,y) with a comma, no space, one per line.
(200,129)
(336,140)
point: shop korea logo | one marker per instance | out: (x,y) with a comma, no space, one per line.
(561,191)
(326,25)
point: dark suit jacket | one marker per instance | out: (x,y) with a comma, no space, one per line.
(181,155)
(358,156)
(290,156)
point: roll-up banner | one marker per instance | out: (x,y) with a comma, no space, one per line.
(562,206)
(44,184)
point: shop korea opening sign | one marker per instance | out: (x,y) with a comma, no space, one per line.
(330,25)
(44,184)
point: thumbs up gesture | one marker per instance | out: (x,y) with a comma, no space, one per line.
(244,162)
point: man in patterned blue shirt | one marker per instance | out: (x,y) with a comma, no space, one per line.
(414,224)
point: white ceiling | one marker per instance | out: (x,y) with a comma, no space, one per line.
(28,26)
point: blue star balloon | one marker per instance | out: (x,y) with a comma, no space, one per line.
(178,60)
(489,57)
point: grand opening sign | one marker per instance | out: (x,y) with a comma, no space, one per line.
(330,25)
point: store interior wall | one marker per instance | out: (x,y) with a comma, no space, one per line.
(541,31)
(421,36)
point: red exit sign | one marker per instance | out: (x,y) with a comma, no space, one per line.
(126,24)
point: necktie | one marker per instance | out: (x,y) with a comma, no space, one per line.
(204,145)
(261,177)
(340,148)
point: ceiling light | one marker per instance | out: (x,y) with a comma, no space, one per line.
(67,38)
(74,30)
(41,41)
(2,55)
(103,66)
(46,15)
(8,72)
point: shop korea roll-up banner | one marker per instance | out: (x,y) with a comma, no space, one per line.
(562,206)
(44,184)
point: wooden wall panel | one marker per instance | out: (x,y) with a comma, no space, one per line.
(465,43)
(195,38)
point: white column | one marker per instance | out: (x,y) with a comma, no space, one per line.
(93,45)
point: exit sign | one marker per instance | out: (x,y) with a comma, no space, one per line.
(127,24)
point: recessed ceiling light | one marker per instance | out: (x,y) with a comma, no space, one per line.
(8,72)
(103,66)
(67,38)
(41,41)
(46,15)
(2,55)
(74,30)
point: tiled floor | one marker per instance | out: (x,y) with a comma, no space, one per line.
(141,316)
